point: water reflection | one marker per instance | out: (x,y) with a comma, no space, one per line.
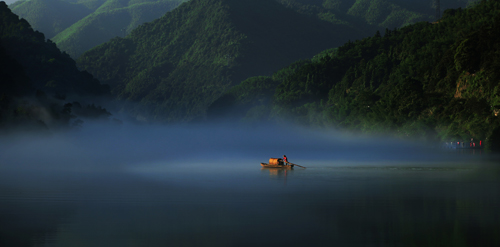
(362,205)
(139,191)
(279,173)
(410,208)
(29,220)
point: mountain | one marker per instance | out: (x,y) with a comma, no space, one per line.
(9,1)
(373,14)
(177,65)
(78,25)
(438,81)
(40,85)
(50,16)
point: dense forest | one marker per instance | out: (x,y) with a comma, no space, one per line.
(78,25)
(436,80)
(177,65)
(244,60)
(41,87)
(373,13)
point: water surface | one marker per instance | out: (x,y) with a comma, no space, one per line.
(187,186)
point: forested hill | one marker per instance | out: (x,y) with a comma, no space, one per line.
(50,16)
(177,65)
(78,25)
(374,14)
(429,80)
(37,81)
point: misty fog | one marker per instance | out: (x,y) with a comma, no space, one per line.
(202,185)
(109,147)
(204,151)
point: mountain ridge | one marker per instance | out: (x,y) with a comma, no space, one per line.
(87,23)
(41,87)
(78,25)
(200,48)
(435,81)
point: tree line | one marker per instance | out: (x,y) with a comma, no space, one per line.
(431,80)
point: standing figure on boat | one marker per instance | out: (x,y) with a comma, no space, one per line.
(285,159)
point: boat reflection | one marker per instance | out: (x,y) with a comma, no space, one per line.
(277,172)
(280,173)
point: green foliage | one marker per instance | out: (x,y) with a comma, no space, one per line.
(493,142)
(371,15)
(427,80)
(77,26)
(176,66)
(466,56)
(50,16)
(332,4)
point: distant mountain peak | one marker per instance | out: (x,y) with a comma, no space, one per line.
(177,65)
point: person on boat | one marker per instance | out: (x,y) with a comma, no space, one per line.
(285,159)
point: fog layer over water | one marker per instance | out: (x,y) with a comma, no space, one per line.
(117,147)
(203,186)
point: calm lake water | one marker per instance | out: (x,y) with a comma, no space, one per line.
(204,187)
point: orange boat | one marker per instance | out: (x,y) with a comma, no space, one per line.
(277,163)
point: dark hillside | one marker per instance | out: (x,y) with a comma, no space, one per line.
(428,80)
(49,69)
(177,65)
(281,36)
(37,80)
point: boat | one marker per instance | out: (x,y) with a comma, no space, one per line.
(285,166)
(277,163)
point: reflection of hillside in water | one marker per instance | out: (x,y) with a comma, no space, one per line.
(347,205)
(415,206)
(398,219)
(31,220)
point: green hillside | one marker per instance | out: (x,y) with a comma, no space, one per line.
(427,80)
(78,25)
(177,65)
(372,14)
(39,85)
(51,16)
